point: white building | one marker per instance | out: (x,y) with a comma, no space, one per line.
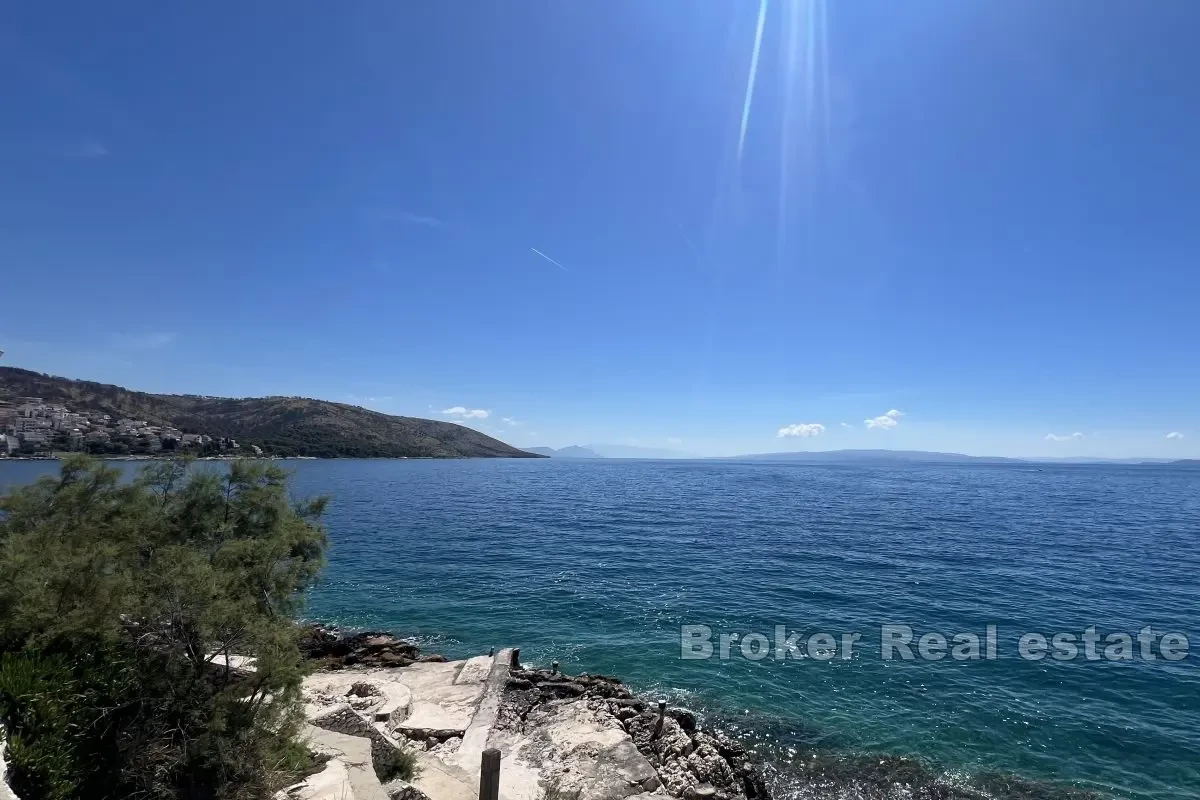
(26,425)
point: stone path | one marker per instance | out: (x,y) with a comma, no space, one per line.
(493,676)
(349,774)
(447,706)
(446,714)
(442,781)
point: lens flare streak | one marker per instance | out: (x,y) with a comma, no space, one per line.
(749,99)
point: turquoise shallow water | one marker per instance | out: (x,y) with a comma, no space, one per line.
(597,564)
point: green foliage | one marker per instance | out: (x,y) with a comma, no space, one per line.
(39,689)
(120,602)
(401,764)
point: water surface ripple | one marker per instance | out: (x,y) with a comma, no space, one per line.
(596,564)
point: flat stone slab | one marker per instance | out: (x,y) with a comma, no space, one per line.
(388,702)
(475,738)
(474,670)
(440,701)
(446,712)
(331,783)
(576,749)
(355,754)
(441,781)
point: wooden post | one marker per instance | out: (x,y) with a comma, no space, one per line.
(515,661)
(489,775)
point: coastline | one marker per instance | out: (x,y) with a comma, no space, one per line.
(693,753)
(172,456)
(584,736)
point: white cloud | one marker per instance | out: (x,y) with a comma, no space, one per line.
(354,398)
(1054,437)
(847,425)
(409,218)
(516,423)
(143,341)
(801,429)
(888,420)
(467,413)
(674,440)
(85,148)
(1174,435)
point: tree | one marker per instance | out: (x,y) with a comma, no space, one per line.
(120,603)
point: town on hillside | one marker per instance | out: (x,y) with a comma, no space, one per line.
(32,427)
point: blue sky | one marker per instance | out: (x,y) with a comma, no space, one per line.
(982,215)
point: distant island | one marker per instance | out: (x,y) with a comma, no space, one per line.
(573,451)
(601,450)
(842,456)
(41,414)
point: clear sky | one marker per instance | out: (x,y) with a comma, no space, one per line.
(622,220)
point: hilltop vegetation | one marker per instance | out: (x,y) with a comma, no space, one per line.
(279,425)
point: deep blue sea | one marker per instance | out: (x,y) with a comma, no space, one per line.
(598,564)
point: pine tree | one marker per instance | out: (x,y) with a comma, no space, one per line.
(120,604)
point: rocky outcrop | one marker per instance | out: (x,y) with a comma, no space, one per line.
(335,650)
(403,790)
(386,754)
(690,761)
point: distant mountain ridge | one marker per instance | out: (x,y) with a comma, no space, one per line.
(572,451)
(637,451)
(610,451)
(280,425)
(924,456)
(872,455)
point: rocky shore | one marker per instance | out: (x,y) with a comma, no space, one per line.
(376,698)
(689,761)
(334,650)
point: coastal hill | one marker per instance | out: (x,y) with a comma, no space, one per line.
(280,425)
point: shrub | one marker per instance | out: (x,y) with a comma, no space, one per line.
(120,603)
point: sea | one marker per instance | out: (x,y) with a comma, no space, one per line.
(777,601)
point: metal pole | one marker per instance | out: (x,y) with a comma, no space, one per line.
(489,775)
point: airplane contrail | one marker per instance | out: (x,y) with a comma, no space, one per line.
(548,258)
